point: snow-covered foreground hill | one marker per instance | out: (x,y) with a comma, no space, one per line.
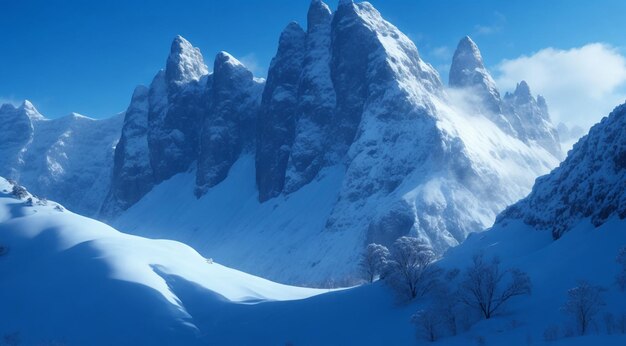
(584,253)
(67,279)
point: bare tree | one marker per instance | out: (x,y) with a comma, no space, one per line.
(427,322)
(447,303)
(621,277)
(410,266)
(373,261)
(551,333)
(609,322)
(584,302)
(621,323)
(486,288)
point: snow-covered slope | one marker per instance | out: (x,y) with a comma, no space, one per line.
(570,228)
(589,184)
(350,115)
(68,159)
(585,252)
(70,279)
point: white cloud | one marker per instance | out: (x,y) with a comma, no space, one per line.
(252,63)
(10,100)
(485,29)
(497,24)
(443,53)
(581,85)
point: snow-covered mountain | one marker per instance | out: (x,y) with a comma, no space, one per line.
(519,113)
(352,139)
(67,279)
(67,159)
(589,184)
(186,118)
(569,228)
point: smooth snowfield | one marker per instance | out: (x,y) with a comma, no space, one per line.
(281,239)
(70,279)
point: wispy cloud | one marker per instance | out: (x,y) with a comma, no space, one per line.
(443,53)
(499,20)
(9,99)
(581,85)
(252,63)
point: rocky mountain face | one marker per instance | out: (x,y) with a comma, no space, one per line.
(278,113)
(349,110)
(518,114)
(590,183)
(186,119)
(350,116)
(68,159)
(530,119)
(229,125)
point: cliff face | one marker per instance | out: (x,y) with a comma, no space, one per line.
(590,183)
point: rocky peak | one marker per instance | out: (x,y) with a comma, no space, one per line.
(29,109)
(319,14)
(6,108)
(467,65)
(185,63)
(227,127)
(227,69)
(522,92)
(345,3)
(468,71)
(277,116)
(543,105)
(530,119)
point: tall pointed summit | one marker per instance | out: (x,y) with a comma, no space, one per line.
(468,71)
(185,62)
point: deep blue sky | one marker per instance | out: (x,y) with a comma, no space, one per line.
(87,56)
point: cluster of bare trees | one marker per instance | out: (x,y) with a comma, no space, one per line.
(482,289)
(407,267)
(585,302)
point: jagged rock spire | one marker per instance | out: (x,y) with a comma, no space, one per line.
(29,109)
(185,62)
(468,71)
(343,3)
(277,116)
(466,64)
(319,14)
(522,91)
